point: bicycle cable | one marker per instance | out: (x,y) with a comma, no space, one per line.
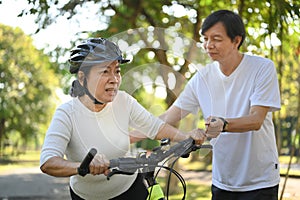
(181,179)
(157,172)
(171,170)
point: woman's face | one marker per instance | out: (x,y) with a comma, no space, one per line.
(104,81)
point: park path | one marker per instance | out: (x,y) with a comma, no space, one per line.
(31,184)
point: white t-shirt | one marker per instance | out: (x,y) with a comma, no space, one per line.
(75,129)
(241,161)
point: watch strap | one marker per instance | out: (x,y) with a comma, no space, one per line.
(224,125)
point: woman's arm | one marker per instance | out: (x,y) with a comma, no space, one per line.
(168,131)
(59,167)
(136,136)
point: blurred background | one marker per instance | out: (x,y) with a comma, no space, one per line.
(161,38)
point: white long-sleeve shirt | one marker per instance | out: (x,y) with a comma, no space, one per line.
(75,129)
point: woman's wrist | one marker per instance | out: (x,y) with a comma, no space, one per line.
(180,136)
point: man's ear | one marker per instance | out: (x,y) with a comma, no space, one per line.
(80,76)
(237,40)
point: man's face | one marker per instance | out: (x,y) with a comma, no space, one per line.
(218,44)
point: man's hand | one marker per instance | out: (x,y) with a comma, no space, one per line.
(214,126)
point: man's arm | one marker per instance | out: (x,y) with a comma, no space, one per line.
(250,122)
(173,115)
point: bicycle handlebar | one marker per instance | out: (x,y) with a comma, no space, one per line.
(147,164)
(129,165)
(143,163)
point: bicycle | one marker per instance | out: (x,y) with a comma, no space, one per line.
(147,165)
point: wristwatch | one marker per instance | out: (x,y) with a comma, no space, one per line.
(225,126)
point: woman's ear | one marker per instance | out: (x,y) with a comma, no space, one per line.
(80,77)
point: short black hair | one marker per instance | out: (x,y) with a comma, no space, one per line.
(232,22)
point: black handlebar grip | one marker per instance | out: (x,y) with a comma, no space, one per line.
(84,169)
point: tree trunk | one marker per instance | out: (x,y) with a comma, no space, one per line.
(2,122)
(298,122)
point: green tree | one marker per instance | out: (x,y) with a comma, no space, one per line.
(265,21)
(155,30)
(27,87)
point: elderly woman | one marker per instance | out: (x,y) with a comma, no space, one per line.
(100,116)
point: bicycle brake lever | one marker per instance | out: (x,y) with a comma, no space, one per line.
(196,147)
(191,149)
(115,171)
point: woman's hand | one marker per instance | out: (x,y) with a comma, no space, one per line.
(198,135)
(99,165)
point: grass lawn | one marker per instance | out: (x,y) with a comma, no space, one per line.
(284,160)
(194,190)
(30,159)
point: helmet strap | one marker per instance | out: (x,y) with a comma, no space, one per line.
(87,92)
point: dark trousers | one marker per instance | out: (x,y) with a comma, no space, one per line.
(270,193)
(137,190)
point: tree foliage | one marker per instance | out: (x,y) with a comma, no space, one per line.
(27,85)
(272,26)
